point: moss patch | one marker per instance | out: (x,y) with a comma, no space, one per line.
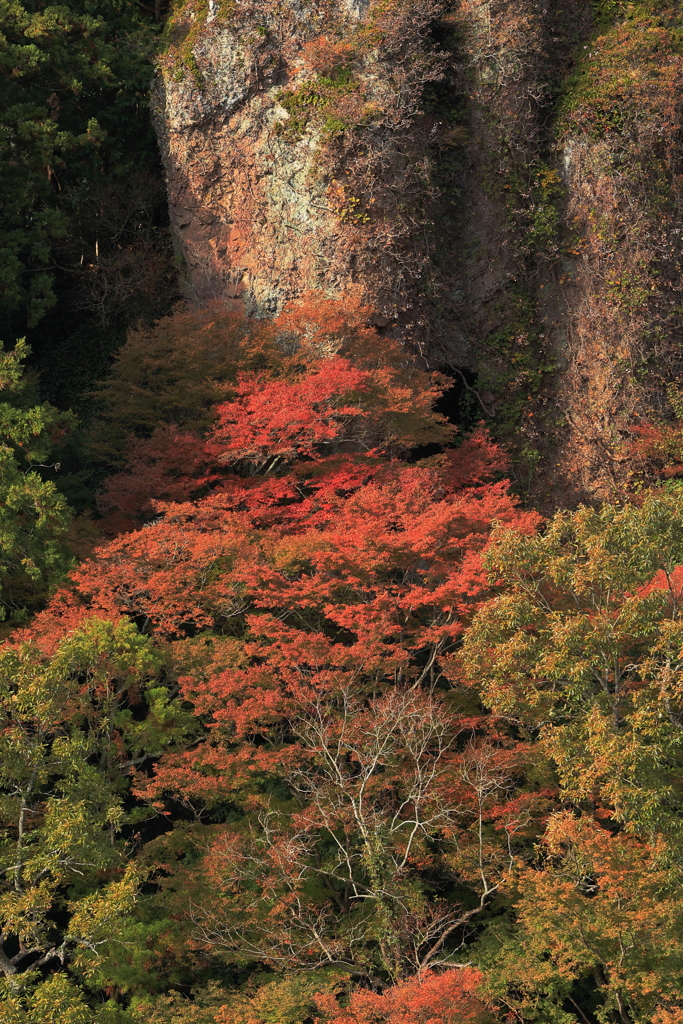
(181,34)
(310,103)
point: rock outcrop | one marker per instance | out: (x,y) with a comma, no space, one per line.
(620,146)
(299,155)
(574,292)
(497,179)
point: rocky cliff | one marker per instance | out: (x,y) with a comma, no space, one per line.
(619,144)
(497,179)
(300,155)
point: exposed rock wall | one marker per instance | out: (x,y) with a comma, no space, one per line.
(299,157)
(250,214)
(497,179)
(515,56)
(618,280)
(574,288)
(358,146)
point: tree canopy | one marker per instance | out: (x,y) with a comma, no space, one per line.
(324,730)
(33,514)
(307,715)
(65,116)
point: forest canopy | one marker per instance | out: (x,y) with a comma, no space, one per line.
(312,711)
(328,729)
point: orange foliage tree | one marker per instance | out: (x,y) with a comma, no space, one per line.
(309,605)
(324,368)
(449,998)
(603,910)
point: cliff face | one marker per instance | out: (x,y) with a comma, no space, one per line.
(620,148)
(573,208)
(497,179)
(250,213)
(359,146)
(299,155)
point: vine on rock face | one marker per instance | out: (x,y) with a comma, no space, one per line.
(620,133)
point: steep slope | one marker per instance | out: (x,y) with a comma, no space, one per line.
(498,179)
(299,155)
(620,146)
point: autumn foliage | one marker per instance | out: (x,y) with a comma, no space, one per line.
(317,379)
(448,998)
(331,719)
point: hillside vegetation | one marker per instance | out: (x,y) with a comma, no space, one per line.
(341,540)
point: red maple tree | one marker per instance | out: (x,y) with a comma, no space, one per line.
(449,998)
(308,605)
